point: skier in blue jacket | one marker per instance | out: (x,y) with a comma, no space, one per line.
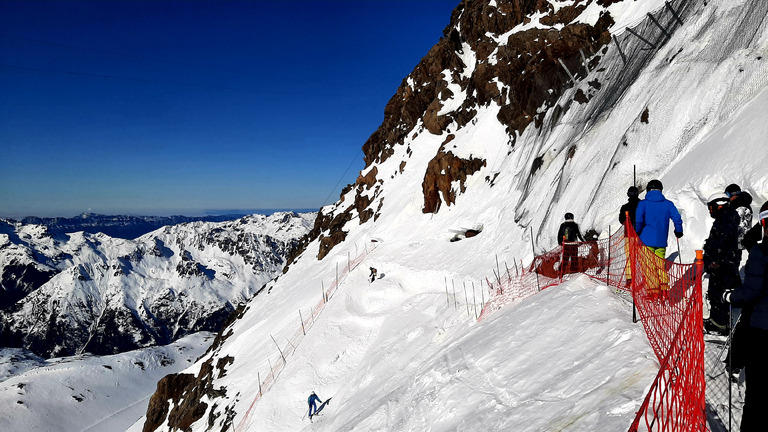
(312,406)
(653,215)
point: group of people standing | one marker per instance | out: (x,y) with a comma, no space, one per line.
(732,232)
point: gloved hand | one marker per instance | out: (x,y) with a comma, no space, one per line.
(727,296)
(678,234)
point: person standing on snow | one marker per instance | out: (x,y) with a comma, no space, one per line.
(721,260)
(629,208)
(313,399)
(741,202)
(652,225)
(753,294)
(568,233)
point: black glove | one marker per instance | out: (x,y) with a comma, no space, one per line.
(678,234)
(727,296)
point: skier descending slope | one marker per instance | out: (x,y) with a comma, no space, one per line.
(313,408)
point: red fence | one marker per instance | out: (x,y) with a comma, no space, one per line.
(669,301)
(279,359)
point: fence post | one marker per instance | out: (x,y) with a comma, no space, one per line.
(506,267)
(632,264)
(498,272)
(349,263)
(616,41)
(303,330)
(455,304)
(258,377)
(482,295)
(474,298)
(447,297)
(278,348)
(322,286)
(608,270)
(677,17)
(533,249)
(466,299)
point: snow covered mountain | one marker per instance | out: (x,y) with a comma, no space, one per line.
(523,111)
(94,293)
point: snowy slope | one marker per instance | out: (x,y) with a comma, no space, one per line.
(87,393)
(395,354)
(112,295)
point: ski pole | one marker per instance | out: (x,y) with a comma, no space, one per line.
(679,260)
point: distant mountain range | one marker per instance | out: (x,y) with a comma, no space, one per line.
(64,294)
(122,226)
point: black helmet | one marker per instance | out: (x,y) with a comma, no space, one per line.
(569,216)
(654,184)
(733,189)
(762,217)
(632,191)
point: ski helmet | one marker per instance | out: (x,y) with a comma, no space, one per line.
(654,184)
(763,215)
(732,189)
(569,216)
(717,201)
(632,191)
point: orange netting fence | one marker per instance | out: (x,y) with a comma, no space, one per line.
(279,360)
(668,299)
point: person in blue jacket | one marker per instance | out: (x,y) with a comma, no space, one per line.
(312,404)
(653,215)
(753,296)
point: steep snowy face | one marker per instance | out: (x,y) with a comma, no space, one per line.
(94,293)
(522,112)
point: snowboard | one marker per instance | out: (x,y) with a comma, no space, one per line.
(320,408)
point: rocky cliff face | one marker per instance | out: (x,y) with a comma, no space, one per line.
(94,293)
(519,55)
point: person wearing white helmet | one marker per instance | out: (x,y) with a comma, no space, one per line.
(721,261)
(312,401)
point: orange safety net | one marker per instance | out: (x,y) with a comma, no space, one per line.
(669,302)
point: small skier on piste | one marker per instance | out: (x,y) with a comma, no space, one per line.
(313,399)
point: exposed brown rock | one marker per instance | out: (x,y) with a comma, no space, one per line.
(644,116)
(169,388)
(442,171)
(369,179)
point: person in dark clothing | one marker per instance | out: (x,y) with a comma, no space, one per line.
(752,237)
(566,237)
(373,274)
(753,294)
(629,208)
(313,399)
(721,261)
(741,202)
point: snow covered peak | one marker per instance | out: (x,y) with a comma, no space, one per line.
(95,293)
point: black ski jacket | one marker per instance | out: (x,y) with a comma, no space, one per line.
(570,230)
(722,246)
(752,237)
(754,290)
(631,207)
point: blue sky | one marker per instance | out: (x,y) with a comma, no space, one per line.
(165,107)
